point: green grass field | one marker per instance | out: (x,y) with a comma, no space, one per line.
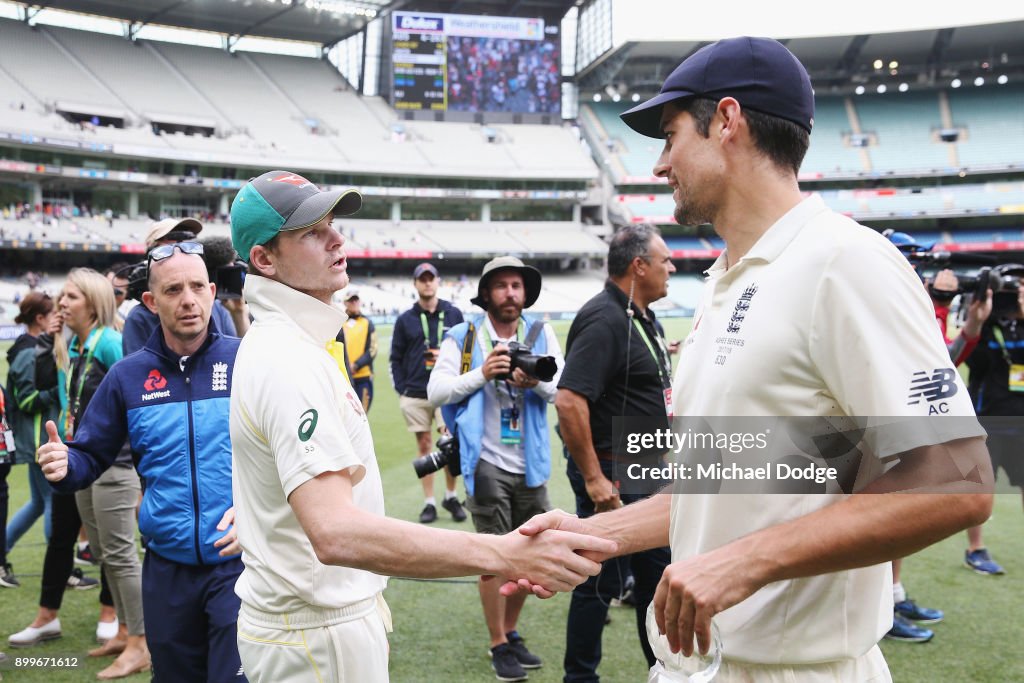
(439,630)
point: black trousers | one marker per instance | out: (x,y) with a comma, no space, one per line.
(589,604)
(60,553)
(5,469)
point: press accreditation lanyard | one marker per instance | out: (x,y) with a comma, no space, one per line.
(511,416)
(426,328)
(663,374)
(1015,377)
(75,398)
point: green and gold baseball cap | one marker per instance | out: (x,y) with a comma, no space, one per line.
(282,200)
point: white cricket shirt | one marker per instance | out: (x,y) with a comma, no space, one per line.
(823,317)
(294,416)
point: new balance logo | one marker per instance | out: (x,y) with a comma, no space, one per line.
(219,382)
(938,385)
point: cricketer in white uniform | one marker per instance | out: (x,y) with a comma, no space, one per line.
(316,545)
(806,314)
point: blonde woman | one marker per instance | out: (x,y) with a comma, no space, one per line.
(107,508)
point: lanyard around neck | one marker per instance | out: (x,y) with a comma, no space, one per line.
(520,334)
(650,347)
(997,332)
(426,327)
(75,400)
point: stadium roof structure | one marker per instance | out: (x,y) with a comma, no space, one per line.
(325,22)
(925,57)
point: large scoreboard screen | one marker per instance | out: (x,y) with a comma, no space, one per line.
(457,62)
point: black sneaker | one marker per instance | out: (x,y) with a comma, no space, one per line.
(429,514)
(7,577)
(84,556)
(526,659)
(506,666)
(453,506)
(80,582)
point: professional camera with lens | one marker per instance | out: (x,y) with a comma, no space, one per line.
(137,275)
(446,455)
(542,368)
(1007,281)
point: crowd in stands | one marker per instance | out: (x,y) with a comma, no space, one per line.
(497,74)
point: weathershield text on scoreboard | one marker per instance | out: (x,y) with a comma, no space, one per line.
(513,28)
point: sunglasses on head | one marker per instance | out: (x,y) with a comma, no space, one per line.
(167,250)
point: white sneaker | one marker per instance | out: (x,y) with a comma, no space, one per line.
(105,630)
(33,636)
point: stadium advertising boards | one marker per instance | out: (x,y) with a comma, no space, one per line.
(458,62)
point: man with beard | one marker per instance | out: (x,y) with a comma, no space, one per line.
(499,416)
(617,363)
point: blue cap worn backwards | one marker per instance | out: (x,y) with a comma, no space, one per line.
(279,200)
(760,73)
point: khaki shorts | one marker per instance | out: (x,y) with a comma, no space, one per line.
(868,668)
(418,413)
(346,645)
(502,501)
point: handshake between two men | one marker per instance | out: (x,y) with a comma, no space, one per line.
(557,560)
(552,553)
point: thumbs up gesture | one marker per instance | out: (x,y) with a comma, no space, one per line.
(52,456)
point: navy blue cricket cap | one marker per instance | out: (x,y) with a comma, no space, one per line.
(760,73)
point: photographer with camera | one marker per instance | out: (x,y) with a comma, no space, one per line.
(495,394)
(942,289)
(909,619)
(997,382)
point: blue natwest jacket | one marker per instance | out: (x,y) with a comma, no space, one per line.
(177,420)
(468,415)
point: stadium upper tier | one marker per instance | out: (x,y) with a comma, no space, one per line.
(868,135)
(363,238)
(263,110)
(987,199)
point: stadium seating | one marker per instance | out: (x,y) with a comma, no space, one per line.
(952,200)
(685,243)
(994,125)
(902,125)
(147,84)
(829,152)
(40,64)
(684,291)
(637,153)
(265,109)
